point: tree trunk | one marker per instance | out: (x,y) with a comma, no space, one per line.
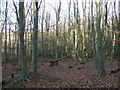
(5,43)
(9,41)
(43,49)
(93,37)
(34,38)
(21,39)
(83,30)
(75,32)
(0,47)
(100,52)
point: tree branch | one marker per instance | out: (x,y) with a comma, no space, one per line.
(16,11)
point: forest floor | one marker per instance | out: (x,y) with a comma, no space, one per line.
(66,75)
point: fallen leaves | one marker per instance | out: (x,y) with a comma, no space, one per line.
(70,77)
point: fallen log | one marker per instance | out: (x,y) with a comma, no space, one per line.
(55,62)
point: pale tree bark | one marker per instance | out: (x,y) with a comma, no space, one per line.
(69,30)
(115,29)
(47,22)
(83,30)
(57,12)
(89,36)
(31,22)
(112,34)
(75,32)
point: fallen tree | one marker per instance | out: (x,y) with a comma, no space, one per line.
(55,62)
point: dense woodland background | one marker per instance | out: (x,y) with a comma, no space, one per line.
(35,35)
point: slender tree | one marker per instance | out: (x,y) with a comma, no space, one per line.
(18,45)
(0,39)
(75,31)
(43,14)
(84,29)
(47,27)
(35,36)
(9,39)
(57,12)
(5,42)
(118,35)
(57,27)
(69,30)
(0,55)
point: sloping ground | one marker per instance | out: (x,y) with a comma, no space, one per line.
(68,75)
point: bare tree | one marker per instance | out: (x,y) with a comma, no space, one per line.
(21,23)
(75,31)
(35,36)
(0,39)
(43,17)
(69,29)
(5,42)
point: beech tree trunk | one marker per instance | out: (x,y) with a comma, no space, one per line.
(100,52)
(34,37)
(93,37)
(21,39)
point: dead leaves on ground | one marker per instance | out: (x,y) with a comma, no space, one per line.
(72,76)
